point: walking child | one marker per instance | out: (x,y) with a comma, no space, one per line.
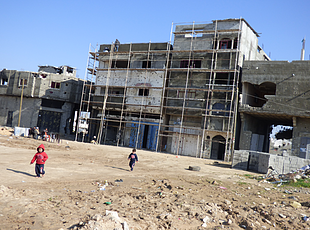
(40,157)
(132,159)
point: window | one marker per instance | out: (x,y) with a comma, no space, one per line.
(55,85)
(3,81)
(21,82)
(189,94)
(193,64)
(69,69)
(143,92)
(225,44)
(224,79)
(119,64)
(217,108)
(146,64)
(43,75)
(115,92)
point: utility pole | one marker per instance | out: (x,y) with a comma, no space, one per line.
(21,103)
(302,57)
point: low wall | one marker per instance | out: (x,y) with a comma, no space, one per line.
(259,161)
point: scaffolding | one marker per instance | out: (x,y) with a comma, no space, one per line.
(180,99)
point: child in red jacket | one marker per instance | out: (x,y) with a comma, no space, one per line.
(40,157)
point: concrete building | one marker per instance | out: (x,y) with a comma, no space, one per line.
(275,93)
(180,99)
(49,98)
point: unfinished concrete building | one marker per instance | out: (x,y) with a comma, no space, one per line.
(47,98)
(180,99)
(275,93)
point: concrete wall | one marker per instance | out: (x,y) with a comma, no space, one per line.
(259,162)
(30,110)
(153,81)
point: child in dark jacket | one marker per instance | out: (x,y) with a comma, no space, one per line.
(132,159)
(40,157)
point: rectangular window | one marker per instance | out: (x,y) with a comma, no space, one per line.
(224,79)
(189,94)
(225,44)
(21,82)
(120,64)
(146,64)
(55,85)
(143,92)
(3,81)
(193,64)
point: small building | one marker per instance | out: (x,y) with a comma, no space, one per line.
(49,98)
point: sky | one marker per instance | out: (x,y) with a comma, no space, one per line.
(59,33)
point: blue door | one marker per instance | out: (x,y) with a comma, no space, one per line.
(149,136)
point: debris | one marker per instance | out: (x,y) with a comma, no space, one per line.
(281,215)
(194,168)
(295,204)
(222,187)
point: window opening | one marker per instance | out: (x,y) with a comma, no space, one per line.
(143,92)
(55,85)
(193,64)
(225,44)
(217,108)
(21,82)
(146,64)
(189,94)
(224,79)
(3,81)
(69,69)
(119,64)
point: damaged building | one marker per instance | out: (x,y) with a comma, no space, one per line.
(179,97)
(46,99)
(274,93)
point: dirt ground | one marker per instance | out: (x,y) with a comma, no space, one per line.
(161,193)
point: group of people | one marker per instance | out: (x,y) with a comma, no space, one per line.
(44,135)
(34,132)
(41,157)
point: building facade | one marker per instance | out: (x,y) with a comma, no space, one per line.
(275,93)
(46,99)
(179,98)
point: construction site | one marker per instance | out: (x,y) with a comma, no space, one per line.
(178,97)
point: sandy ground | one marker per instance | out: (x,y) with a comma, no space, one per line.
(161,193)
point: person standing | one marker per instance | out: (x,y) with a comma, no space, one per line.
(133,158)
(117,43)
(40,157)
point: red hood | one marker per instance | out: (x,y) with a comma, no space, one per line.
(41,146)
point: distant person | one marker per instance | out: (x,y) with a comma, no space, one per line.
(40,157)
(132,159)
(36,132)
(45,135)
(31,132)
(94,140)
(117,43)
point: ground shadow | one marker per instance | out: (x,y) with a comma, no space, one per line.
(221,165)
(25,173)
(116,168)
